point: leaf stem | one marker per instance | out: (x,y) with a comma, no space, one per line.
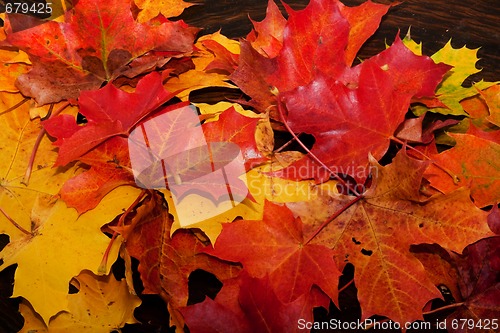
(443,308)
(333,217)
(314,157)
(15,106)
(289,142)
(14,222)
(29,168)
(346,285)
(103,266)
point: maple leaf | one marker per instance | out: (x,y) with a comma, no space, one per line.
(168,8)
(351,119)
(102,304)
(109,168)
(98,43)
(209,167)
(216,149)
(492,98)
(13,64)
(440,267)
(363,21)
(271,248)
(267,35)
(209,50)
(46,257)
(256,309)
(166,262)
(324,37)
(363,106)
(478,171)
(238,129)
(106,116)
(412,129)
(479,268)
(17,139)
(375,233)
(451,91)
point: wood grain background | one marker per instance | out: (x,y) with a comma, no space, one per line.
(473,23)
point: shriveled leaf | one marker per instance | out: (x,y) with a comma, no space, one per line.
(477,170)
(375,234)
(275,246)
(98,42)
(46,258)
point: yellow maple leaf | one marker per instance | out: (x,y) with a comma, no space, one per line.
(59,248)
(168,8)
(102,305)
(13,64)
(451,90)
(17,140)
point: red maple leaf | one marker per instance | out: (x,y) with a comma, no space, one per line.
(98,42)
(479,269)
(109,168)
(357,113)
(256,309)
(110,112)
(323,37)
(351,112)
(275,246)
(375,234)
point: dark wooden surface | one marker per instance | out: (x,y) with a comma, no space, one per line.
(473,23)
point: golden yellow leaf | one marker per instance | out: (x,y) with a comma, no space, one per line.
(61,247)
(17,140)
(12,64)
(102,305)
(168,8)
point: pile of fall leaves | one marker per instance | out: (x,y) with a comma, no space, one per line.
(399,170)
